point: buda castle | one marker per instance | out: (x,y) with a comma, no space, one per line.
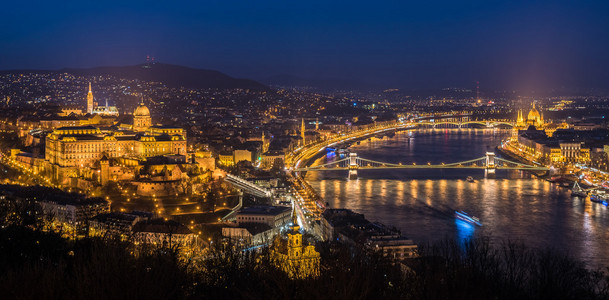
(68,149)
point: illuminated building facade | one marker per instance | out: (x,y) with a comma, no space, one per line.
(94,109)
(74,212)
(534,118)
(293,257)
(106,110)
(141,118)
(84,146)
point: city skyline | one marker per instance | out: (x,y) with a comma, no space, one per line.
(504,45)
(310,150)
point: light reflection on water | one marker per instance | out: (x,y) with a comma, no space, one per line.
(465,231)
(511,206)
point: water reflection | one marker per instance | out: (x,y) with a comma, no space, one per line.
(465,232)
(513,205)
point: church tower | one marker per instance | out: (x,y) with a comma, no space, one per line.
(299,261)
(294,239)
(90,100)
(105,170)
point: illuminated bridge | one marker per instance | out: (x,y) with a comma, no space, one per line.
(462,124)
(488,162)
(309,203)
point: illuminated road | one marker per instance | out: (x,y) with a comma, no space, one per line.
(311,203)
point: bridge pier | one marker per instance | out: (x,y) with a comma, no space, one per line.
(490,164)
(353,166)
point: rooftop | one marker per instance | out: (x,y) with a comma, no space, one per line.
(264,210)
(161,226)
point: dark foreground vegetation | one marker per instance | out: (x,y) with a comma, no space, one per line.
(40,265)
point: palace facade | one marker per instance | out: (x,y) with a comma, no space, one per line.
(69,148)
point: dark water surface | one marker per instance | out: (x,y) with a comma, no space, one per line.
(513,205)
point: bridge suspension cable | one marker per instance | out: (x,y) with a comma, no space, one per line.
(486,162)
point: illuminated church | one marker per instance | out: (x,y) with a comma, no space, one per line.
(293,257)
(72,151)
(99,110)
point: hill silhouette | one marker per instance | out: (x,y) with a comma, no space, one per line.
(171,75)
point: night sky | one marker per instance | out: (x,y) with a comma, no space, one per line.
(407,44)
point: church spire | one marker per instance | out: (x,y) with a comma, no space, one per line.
(90,100)
(294,226)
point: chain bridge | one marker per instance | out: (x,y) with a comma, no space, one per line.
(489,162)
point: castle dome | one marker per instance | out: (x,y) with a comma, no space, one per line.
(141,111)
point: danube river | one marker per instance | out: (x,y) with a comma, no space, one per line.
(512,205)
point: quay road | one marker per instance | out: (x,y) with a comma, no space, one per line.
(307,202)
(306,152)
(309,205)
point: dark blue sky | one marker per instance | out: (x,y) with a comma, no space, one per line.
(416,44)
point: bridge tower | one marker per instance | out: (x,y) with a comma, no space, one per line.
(353,166)
(490,162)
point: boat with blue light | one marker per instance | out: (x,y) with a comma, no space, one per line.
(600,196)
(463,216)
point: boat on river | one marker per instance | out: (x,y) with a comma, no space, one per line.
(470,179)
(600,196)
(578,191)
(463,216)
